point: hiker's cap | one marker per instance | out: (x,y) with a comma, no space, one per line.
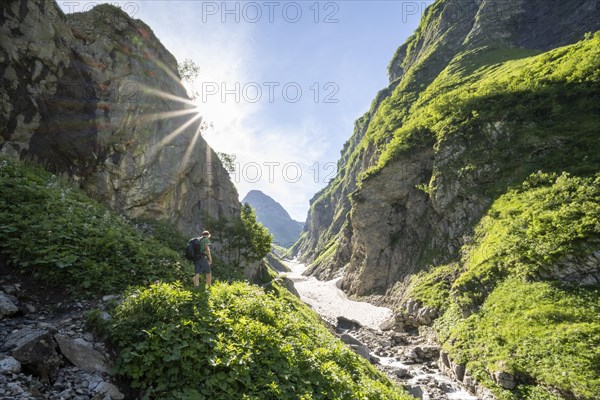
(206,233)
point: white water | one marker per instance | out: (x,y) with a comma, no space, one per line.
(330,302)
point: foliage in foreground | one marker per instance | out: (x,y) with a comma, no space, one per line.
(235,341)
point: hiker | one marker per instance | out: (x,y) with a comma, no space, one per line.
(204,260)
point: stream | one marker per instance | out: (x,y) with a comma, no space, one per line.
(392,352)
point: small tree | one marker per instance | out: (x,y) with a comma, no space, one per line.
(258,239)
(228,161)
(188,70)
(242,239)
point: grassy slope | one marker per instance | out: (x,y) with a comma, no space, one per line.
(55,232)
(236,341)
(543,330)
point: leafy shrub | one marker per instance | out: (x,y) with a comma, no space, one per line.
(235,341)
(163,232)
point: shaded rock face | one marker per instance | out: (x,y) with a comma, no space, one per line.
(385,229)
(81,93)
(377,226)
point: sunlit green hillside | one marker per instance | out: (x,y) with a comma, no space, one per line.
(234,340)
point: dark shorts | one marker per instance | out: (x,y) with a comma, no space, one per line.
(202,266)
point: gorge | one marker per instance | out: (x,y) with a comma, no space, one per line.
(466,202)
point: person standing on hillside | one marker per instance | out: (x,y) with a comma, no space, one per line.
(204,260)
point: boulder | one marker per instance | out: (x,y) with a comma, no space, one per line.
(388,324)
(104,389)
(9,365)
(348,324)
(35,349)
(415,391)
(351,340)
(504,380)
(8,305)
(110,390)
(362,351)
(459,371)
(83,355)
(403,373)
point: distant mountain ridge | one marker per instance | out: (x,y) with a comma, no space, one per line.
(271,214)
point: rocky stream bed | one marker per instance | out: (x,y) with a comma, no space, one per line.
(412,360)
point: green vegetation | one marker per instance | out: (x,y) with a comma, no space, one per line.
(528,231)
(433,287)
(524,318)
(161,231)
(545,334)
(257,237)
(539,97)
(235,341)
(243,240)
(55,232)
(524,129)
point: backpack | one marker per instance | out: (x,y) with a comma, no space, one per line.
(192,251)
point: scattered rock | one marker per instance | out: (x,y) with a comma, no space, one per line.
(8,305)
(9,289)
(82,354)
(30,308)
(9,365)
(399,339)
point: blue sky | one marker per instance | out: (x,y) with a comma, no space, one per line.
(281,82)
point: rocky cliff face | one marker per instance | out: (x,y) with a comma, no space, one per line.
(275,218)
(96,96)
(419,207)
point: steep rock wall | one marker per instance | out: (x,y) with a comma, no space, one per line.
(81,93)
(389,229)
